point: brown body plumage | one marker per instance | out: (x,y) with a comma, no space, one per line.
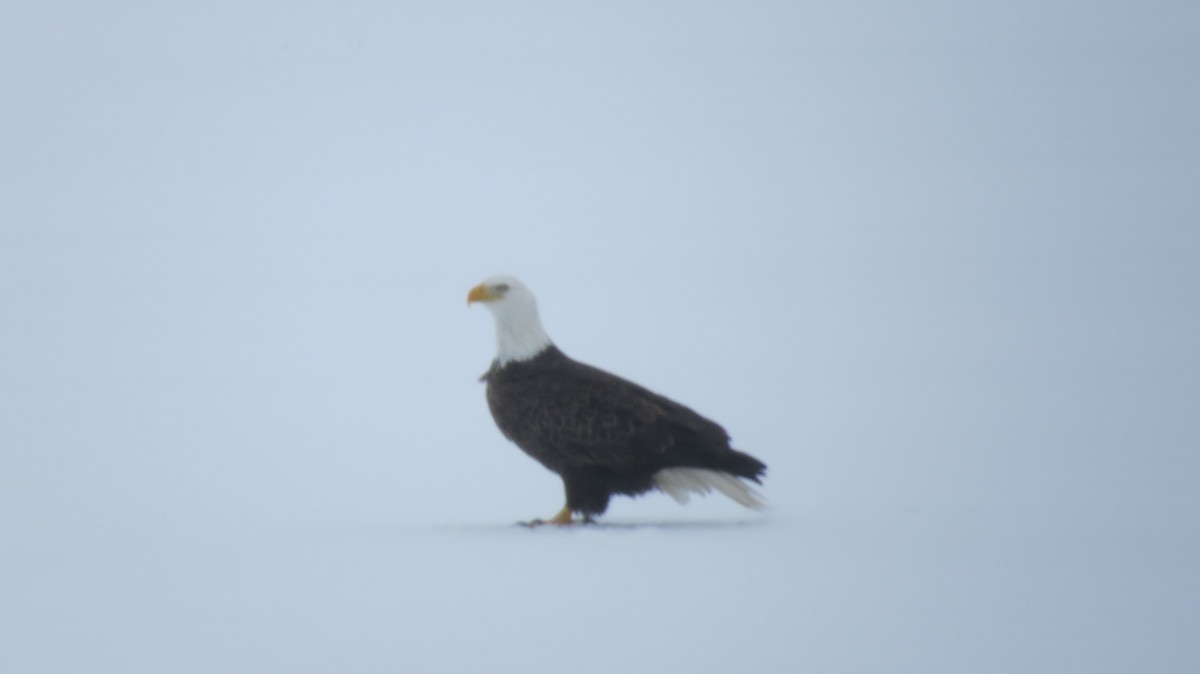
(602,434)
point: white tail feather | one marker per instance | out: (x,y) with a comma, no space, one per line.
(681,483)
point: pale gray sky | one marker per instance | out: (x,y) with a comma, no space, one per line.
(924,259)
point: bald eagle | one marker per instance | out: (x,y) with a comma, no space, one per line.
(603,435)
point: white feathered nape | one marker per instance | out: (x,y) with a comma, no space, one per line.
(519,331)
(681,483)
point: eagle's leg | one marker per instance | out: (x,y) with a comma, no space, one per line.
(562,518)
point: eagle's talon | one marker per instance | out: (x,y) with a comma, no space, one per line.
(562,519)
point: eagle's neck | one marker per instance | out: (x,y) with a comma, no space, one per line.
(519,334)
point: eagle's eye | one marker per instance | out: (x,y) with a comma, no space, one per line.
(502,287)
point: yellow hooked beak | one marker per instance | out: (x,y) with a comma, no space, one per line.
(482,293)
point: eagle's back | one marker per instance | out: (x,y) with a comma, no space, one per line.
(570,416)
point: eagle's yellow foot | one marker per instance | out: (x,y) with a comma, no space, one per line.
(562,519)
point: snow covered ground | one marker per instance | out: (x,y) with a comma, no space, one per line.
(936,265)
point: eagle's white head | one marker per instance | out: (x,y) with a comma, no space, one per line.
(519,331)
